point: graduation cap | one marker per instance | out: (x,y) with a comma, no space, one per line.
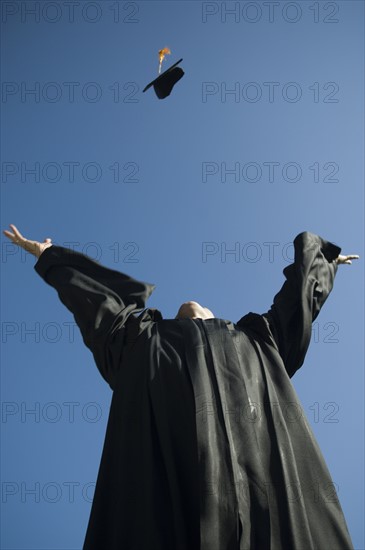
(164,83)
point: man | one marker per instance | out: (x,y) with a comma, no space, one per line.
(200,451)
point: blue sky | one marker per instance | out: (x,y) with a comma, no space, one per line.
(262,138)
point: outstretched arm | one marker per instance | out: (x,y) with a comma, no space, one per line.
(309,281)
(101,299)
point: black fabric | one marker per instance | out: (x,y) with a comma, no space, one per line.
(207,447)
(164,83)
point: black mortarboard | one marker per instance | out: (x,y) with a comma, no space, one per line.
(164,83)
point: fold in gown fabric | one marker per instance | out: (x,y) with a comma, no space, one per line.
(207,446)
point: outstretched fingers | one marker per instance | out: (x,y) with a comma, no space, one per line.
(16,236)
(341,259)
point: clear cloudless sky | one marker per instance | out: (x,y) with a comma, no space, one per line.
(201,193)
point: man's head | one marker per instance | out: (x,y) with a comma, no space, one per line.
(193,310)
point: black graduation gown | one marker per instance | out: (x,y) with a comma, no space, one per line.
(207,446)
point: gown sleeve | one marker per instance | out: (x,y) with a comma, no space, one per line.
(100,299)
(309,281)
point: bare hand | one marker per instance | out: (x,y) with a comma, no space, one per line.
(34,247)
(346,259)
